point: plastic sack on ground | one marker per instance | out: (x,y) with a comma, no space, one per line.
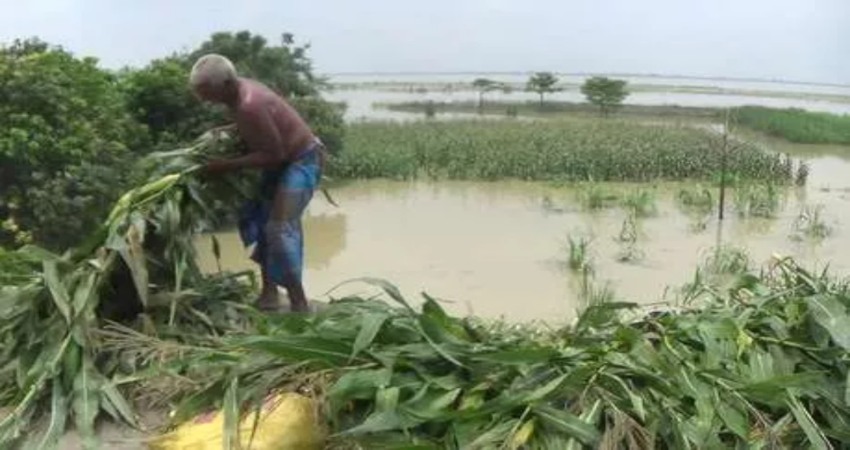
(288,421)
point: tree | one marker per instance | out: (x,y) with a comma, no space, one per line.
(484,85)
(542,83)
(65,140)
(606,93)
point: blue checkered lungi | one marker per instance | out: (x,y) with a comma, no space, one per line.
(279,245)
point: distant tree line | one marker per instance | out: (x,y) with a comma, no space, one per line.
(606,93)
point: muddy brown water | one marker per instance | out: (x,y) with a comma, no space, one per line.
(495,249)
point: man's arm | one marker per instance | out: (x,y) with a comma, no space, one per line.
(264,142)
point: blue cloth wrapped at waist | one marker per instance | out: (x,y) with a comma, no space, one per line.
(279,244)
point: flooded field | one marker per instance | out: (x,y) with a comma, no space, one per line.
(500,249)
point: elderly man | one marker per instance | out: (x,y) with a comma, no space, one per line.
(281,145)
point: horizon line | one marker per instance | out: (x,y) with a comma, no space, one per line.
(621,74)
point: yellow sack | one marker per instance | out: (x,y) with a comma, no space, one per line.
(287,421)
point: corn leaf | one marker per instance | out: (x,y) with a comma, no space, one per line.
(370,328)
(58,291)
(231,415)
(567,423)
(829,313)
(807,423)
(85,404)
(114,398)
(497,434)
(523,435)
(55,428)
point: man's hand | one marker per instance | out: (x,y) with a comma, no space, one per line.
(216,167)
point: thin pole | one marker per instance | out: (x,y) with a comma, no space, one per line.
(723,161)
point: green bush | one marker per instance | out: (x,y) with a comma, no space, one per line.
(59,115)
(797,125)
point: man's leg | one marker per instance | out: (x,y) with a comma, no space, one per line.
(251,219)
(285,242)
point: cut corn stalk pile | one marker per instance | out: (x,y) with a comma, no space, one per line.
(762,364)
(140,260)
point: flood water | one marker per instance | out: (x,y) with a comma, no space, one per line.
(363,99)
(493,249)
(366,104)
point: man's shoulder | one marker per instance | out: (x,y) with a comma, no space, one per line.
(257,96)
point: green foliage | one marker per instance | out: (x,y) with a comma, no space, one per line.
(139,259)
(325,119)
(579,254)
(71,202)
(696,199)
(640,203)
(159,97)
(595,196)
(16,268)
(542,83)
(62,121)
(571,151)
(556,108)
(607,94)
(757,200)
(698,203)
(726,260)
(797,125)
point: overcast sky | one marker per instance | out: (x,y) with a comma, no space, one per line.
(806,40)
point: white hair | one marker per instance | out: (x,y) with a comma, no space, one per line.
(212,69)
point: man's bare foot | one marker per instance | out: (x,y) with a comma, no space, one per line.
(269,300)
(298,307)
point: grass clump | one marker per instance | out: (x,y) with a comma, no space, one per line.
(543,150)
(579,259)
(696,199)
(797,125)
(757,200)
(628,239)
(596,196)
(698,203)
(640,203)
(811,225)
(726,260)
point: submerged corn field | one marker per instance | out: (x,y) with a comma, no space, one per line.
(552,150)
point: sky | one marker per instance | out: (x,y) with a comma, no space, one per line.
(800,40)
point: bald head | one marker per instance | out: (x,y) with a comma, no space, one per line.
(214,78)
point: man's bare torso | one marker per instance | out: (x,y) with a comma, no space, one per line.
(255,97)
